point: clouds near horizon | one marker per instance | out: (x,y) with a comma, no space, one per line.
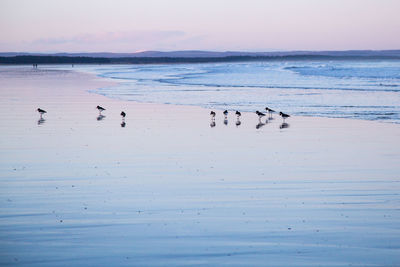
(252,25)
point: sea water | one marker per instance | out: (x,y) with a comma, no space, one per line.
(358,89)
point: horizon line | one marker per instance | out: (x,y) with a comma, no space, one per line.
(199,50)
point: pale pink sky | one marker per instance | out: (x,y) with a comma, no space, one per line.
(249,25)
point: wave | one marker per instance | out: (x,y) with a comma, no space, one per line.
(360,90)
(340,72)
(177,82)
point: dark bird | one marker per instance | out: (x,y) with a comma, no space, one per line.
(41,111)
(212,114)
(270,111)
(284,116)
(260,114)
(123,114)
(225,113)
(100,109)
(238,113)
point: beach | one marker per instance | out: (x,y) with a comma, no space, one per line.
(167,189)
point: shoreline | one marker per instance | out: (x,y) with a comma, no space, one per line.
(115,82)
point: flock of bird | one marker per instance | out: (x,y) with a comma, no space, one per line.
(99,118)
(260,114)
(100,109)
(212,114)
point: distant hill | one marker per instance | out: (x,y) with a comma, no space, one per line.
(213,54)
(156,57)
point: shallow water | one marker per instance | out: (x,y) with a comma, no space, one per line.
(368,90)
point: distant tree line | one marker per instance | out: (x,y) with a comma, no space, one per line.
(18,60)
(52,60)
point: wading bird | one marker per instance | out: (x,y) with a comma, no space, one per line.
(284,116)
(100,109)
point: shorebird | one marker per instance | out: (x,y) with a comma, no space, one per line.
(225,113)
(123,114)
(260,114)
(270,111)
(100,109)
(284,116)
(238,114)
(41,111)
(212,114)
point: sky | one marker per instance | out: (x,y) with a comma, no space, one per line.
(217,25)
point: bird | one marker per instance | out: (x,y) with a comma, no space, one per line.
(270,111)
(100,109)
(123,114)
(238,114)
(212,114)
(260,114)
(284,116)
(225,113)
(41,111)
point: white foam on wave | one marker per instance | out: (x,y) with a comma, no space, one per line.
(311,88)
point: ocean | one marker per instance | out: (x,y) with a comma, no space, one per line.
(357,89)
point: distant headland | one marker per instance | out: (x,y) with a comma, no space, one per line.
(189,56)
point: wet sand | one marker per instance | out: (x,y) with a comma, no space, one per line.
(168,190)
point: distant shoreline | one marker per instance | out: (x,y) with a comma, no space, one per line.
(50,59)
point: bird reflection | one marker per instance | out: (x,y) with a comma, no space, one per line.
(123,124)
(238,122)
(226,121)
(100,117)
(41,121)
(284,125)
(259,125)
(212,123)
